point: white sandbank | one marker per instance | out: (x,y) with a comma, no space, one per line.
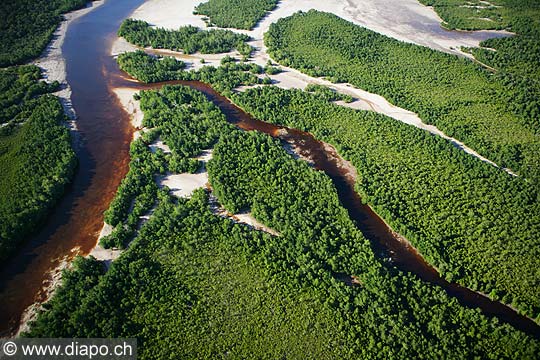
(183,185)
(248,219)
(102,254)
(245,218)
(131,106)
(405,20)
(52,62)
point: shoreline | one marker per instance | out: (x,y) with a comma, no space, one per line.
(53,64)
(53,68)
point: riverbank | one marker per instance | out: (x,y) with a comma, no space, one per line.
(53,67)
(102,137)
(53,64)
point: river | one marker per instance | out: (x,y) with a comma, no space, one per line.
(103,152)
(104,134)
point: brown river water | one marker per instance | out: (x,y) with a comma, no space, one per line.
(104,133)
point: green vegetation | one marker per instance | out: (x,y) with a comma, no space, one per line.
(135,196)
(188,39)
(35,154)
(19,85)
(454,226)
(239,14)
(148,69)
(189,277)
(36,159)
(515,58)
(513,15)
(188,128)
(476,224)
(194,285)
(471,14)
(456,95)
(56,316)
(28,25)
(224,78)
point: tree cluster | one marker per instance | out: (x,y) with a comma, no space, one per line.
(188,39)
(239,14)
(225,78)
(35,154)
(188,124)
(478,225)
(28,25)
(458,96)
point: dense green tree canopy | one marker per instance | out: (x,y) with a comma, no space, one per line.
(478,225)
(188,39)
(239,14)
(35,154)
(27,26)
(515,58)
(224,78)
(459,97)
(430,202)
(36,160)
(195,285)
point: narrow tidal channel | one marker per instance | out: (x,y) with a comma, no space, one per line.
(385,242)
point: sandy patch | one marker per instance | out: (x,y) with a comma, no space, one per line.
(52,62)
(107,256)
(242,218)
(248,219)
(131,106)
(169,14)
(159,144)
(183,185)
(121,45)
(193,61)
(205,156)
